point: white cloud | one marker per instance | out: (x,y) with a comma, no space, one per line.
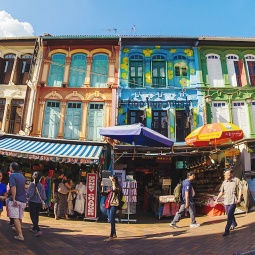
(10,27)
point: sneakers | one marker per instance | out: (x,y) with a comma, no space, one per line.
(173,225)
(108,239)
(233,226)
(39,233)
(20,238)
(194,225)
(114,236)
(33,231)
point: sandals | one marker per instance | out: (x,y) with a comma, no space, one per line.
(20,238)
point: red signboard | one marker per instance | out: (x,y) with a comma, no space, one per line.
(91,196)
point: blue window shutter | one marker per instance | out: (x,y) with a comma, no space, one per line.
(51,119)
(57,69)
(99,71)
(78,70)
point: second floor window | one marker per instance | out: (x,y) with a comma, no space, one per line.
(250,60)
(99,71)
(6,67)
(136,71)
(57,69)
(77,70)
(158,71)
(214,70)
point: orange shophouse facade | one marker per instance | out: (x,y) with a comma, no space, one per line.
(76,92)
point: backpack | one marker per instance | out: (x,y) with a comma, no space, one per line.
(178,193)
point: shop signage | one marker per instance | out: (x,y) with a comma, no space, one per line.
(48,158)
(91,196)
(232,152)
(164,159)
(147,157)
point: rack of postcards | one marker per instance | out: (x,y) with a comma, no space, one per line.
(129,189)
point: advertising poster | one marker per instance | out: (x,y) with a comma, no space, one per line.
(121,174)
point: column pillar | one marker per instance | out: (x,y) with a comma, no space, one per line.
(7,104)
(84,121)
(88,72)
(67,70)
(62,120)
(40,118)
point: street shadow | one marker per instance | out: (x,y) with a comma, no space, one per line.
(56,240)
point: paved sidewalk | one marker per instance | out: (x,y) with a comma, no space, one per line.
(157,237)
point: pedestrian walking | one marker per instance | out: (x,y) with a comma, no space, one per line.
(3,193)
(17,201)
(35,195)
(231,188)
(112,203)
(187,202)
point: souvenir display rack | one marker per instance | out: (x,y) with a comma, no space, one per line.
(129,189)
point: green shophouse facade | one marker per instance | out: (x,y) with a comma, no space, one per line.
(228,86)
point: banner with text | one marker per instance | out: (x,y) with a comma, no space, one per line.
(91,196)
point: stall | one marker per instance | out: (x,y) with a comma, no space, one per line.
(74,158)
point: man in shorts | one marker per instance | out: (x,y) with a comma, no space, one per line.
(17,201)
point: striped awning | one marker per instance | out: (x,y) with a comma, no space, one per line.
(47,150)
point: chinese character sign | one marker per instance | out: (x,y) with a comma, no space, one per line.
(91,196)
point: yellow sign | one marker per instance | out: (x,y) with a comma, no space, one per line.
(232,152)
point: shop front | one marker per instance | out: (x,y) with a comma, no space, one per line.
(157,171)
(75,158)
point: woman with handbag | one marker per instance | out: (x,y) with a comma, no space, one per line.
(112,203)
(36,196)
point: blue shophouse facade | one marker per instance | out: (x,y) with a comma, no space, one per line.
(159,85)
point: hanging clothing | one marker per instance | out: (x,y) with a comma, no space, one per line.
(80,198)
(70,210)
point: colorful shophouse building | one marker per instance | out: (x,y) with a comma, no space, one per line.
(160,85)
(77,87)
(228,82)
(19,68)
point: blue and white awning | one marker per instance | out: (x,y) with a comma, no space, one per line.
(47,150)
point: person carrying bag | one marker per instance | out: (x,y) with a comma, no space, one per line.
(36,196)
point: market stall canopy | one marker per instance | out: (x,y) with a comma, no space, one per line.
(50,149)
(214,134)
(136,134)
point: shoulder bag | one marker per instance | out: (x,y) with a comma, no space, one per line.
(114,199)
(44,206)
(62,189)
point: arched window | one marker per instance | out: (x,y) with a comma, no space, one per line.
(214,70)
(23,69)
(77,70)
(250,62)
(158,70)
(6,66)
(234,70)
(99,70)
(180,66)
(136,65)
(57,69)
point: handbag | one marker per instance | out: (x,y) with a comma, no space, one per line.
(62,189)
(114,200)
(44,206)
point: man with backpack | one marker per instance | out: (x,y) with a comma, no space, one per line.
(187,202)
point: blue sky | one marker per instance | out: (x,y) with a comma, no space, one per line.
(160,17)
